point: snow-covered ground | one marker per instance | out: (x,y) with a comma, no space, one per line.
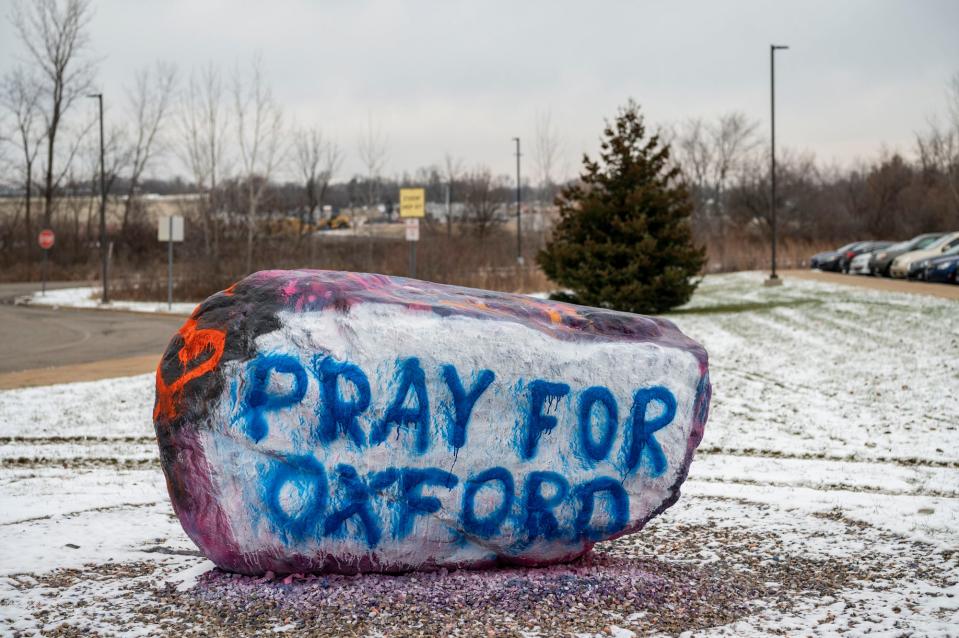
(824,500)
(89,297)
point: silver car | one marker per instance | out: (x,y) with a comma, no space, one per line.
(860,264)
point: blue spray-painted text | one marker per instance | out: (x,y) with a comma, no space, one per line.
(346,409)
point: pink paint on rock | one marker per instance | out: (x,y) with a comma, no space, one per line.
(259,487)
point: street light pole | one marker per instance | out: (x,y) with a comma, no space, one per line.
(519,214)
(103,208)
(773,277)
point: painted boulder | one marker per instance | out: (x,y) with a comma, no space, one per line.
(332,421)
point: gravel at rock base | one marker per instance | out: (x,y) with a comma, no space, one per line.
(622,586)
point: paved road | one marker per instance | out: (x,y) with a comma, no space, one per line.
(946,291)
(34,337)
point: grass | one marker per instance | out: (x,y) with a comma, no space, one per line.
(750,306)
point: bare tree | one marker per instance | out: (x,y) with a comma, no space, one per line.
(259,128)
(307,152)
(938,148)
(332,162)
(20,96)
(203,120)
(452,169)
(149,103)
(887,183)
(547,148)
(853,193)
(710,154)
(733,138)
(317,160)
(372,148)
(952,93)
(799,185)
(54,34)
(116,150)
(695,158)
(484,199)
(76,201)
(9,223)
(82,185)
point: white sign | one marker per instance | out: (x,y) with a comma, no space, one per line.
(167,231)
(412,229)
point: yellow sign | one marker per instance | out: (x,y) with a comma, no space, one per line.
(412,202)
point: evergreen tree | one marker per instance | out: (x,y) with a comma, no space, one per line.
(623,240)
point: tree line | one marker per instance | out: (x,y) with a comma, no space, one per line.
(246,164)
(244,160)
(895,195)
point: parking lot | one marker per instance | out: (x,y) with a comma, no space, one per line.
(929,257)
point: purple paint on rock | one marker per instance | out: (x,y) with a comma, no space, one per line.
(185,416)
(312,290)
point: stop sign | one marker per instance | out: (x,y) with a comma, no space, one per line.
(46,239)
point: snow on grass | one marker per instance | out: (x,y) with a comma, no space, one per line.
(112,408)
(89,297)
(812,369)
(828,479)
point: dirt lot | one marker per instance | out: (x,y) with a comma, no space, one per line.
(944,291)
(106,369)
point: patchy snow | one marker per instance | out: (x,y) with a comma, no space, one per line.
(827,483)
(89,297)
(825,371)
(113,408)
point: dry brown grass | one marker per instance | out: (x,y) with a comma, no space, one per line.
(740,253)
(462,258)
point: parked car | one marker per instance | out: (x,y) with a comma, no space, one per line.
(880,263)
(900,265)
(864,247)
(943,269)
(818,258)
(860,263)
(917,269)
(831,259)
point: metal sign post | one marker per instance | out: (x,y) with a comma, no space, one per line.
(412,208)
(412,237)
(46,239)
(170,229)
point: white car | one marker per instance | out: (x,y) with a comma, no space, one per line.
(860,264)
(900,265)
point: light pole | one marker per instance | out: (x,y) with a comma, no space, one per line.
(103,208)
(773,277)
(519,214)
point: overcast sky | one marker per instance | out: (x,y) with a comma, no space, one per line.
(466,77)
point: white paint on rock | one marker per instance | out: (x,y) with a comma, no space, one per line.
(374,337)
